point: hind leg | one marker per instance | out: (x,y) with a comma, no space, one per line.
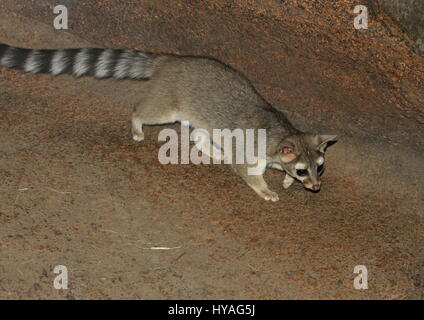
(137,127)
(155,108)
(159,104)
(139,120)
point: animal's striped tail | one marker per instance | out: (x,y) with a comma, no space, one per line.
(100,63)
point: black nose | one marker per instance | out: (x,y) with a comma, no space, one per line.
(315,187)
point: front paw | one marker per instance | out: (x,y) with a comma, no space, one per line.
(288,181)
(269,195)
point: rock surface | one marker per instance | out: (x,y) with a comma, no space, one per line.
(76,190)
(410,15)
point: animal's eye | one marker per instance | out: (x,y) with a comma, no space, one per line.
(301,172)
(320,168)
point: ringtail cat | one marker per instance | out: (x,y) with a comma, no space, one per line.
(204,91)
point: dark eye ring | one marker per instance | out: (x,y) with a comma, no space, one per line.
(301,172)
(320,168)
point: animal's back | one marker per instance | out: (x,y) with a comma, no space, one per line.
(208,91)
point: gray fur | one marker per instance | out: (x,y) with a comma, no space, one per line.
(100,63)
(58,63)
(81,64)
(103,66)
(203,91)
(6,59)
(211,95)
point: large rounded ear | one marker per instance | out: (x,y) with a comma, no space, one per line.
(287,153)
(324,140)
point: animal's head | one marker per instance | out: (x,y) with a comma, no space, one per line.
(302,157)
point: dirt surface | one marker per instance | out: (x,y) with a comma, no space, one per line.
(77,191)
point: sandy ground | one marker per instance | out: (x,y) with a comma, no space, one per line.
(77,191)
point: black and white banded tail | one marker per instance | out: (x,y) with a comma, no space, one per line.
(96,62)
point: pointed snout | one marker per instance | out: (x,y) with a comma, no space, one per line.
(313,186)
(316,187)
